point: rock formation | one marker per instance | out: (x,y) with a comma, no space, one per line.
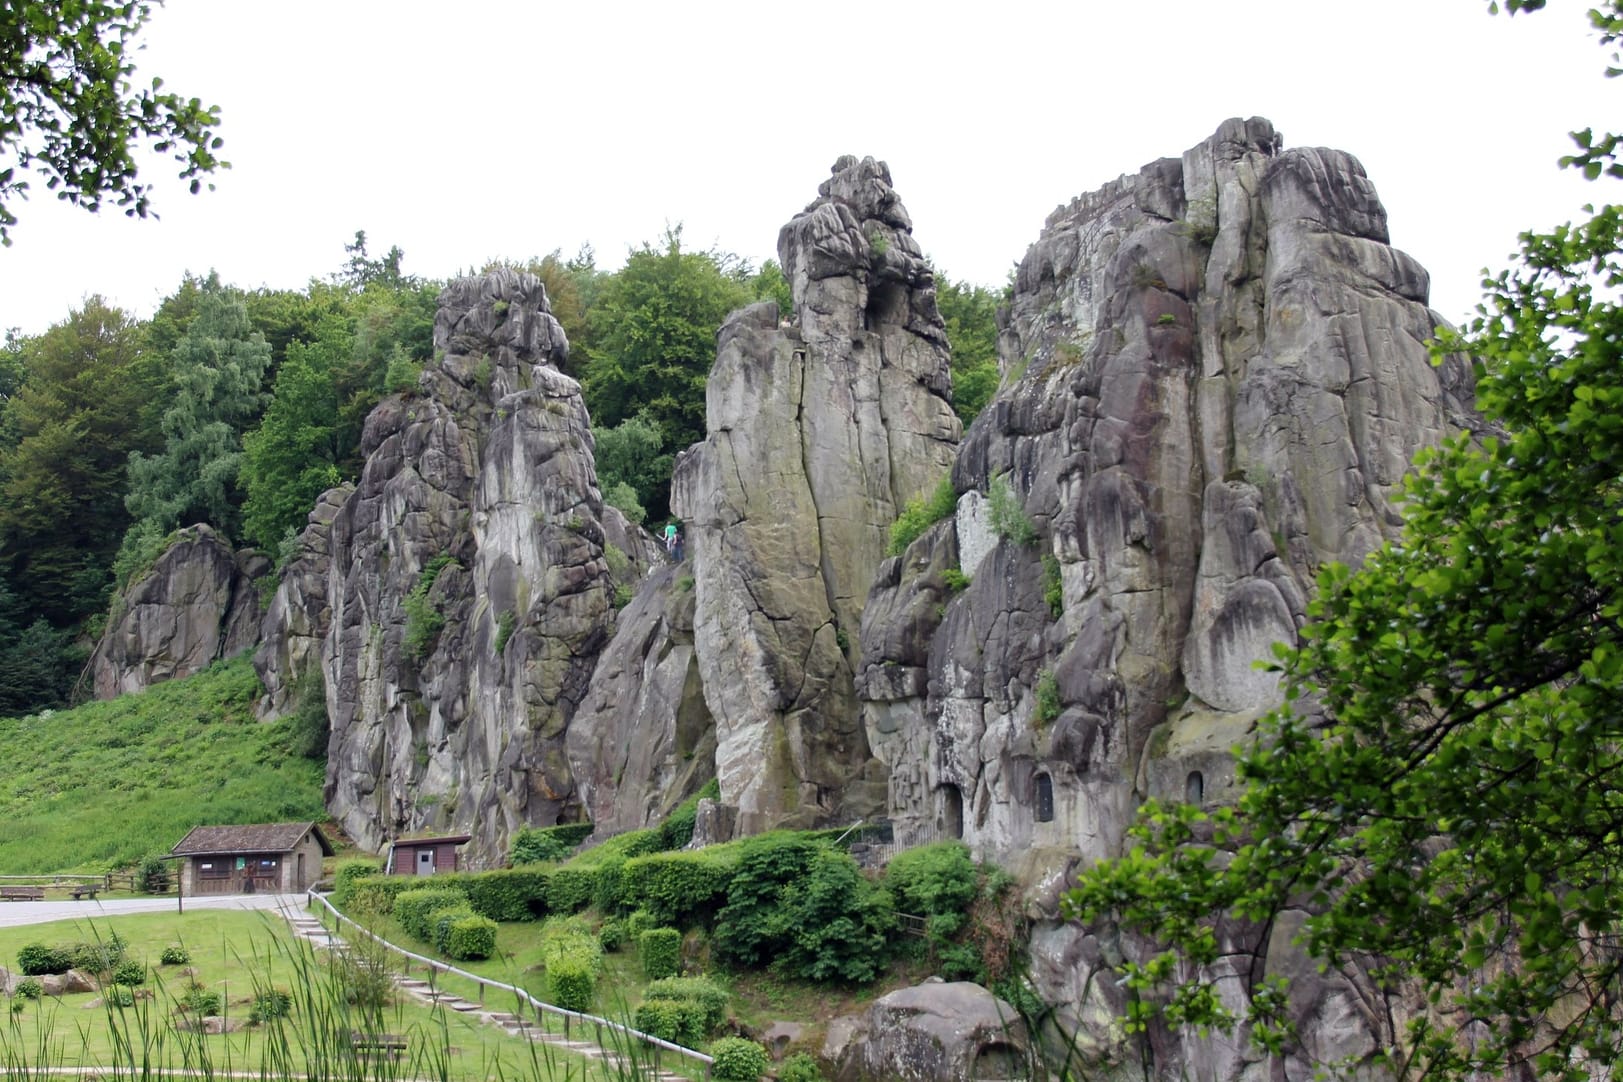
(299,617)
(199,602)
(1215,377)
(819,429)
(468,585)
(933,1032)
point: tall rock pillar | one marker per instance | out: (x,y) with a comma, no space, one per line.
(820,427)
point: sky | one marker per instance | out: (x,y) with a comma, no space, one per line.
(484,130)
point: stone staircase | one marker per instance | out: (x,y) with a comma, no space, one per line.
(312,931)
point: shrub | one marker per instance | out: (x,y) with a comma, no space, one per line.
(412,909)
(1053,586)
(534,844)
(36,959)
(508,894)
(803,907)
(572,957)
(738,1060)
(954,580)
(97,957)
(609,894)
(800,1067)
(118,995)
(504,630)
(661,952)
(349,873)
(270,1004)
(920,514)
(702,992)
(129,972)
(639,922)
(154,872)
(175,955)
(612,936)
(681,889)
(441,920)
(570,889)
(30,988)
(423,617)
(670,1020)
(471,937)
(934,879)
(200,1001)
(1048,704)
(1006,517)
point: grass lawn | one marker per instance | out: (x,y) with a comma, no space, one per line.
(240,956)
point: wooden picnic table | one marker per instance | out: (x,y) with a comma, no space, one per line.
(22,894)
(392,1045)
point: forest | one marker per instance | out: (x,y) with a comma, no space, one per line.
(238,407)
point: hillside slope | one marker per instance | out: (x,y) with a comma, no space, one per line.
(110,782)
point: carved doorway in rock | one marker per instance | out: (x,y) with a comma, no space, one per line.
(952,811)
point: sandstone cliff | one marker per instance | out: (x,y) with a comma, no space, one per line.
(462,591)
(1215,378)
(820,427)
(197,603)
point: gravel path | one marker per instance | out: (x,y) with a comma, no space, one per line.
(17,913)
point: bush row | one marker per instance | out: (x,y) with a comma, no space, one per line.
(446,919)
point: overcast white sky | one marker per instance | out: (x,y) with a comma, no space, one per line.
(480,129)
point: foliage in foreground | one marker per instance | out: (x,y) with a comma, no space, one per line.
(1449,802)
(157,763)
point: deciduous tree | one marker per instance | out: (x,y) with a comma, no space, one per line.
(70,112)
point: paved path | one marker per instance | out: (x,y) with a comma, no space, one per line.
(13,914)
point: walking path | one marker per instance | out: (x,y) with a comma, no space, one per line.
(313,931)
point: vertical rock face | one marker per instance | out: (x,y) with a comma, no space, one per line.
(1215,378)
(299,616)
(820,428)
(643,740)
(469,583)
(198,603)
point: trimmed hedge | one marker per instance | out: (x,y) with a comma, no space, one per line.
(661,952)
(376,894)
(681,889)
(413,908)
(573,958)
(349,873)
(508,894)
(472,937)
(702,992)
(440,921)
(570,889)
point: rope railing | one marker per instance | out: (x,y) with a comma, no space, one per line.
(539,1006)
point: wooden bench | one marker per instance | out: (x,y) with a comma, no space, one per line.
(22,894)
(85,890)
(392,1045)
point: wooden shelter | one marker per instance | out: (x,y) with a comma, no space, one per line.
(276,857)
(425,856)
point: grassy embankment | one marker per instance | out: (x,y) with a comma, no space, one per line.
(107,783)
(240,957)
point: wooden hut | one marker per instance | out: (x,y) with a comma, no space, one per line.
(276,857)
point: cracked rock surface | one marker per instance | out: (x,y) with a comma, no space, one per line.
(1215,378)
(821,424)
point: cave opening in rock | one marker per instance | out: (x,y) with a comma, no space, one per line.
(1045,798)
(887,306)
(1194,788)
